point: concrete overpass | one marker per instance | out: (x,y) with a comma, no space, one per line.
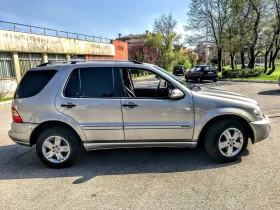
(23,47)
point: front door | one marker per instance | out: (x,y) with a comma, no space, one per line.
(89,98)
(156,117)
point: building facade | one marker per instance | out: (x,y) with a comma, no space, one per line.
(20,51)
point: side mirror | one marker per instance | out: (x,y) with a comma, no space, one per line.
(177,94)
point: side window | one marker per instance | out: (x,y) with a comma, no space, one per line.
(73,86)
(206,68)
(33,82)
(198,68)
(142,83)
(90,82)
(193,69)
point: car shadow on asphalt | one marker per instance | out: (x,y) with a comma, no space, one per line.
(270,92)
(26,165)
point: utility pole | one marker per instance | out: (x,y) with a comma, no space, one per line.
(207,24)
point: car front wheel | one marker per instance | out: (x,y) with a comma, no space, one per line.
(226,140)
(57,147)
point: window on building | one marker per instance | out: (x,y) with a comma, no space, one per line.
(120,48)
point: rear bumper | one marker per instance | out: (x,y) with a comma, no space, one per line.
(20,133)
(204,77)
(261,129)
(209,77)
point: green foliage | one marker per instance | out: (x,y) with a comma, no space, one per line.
(183,59)
(242,73)
(166,57)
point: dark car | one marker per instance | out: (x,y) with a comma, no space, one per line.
(200,73)
(179,69)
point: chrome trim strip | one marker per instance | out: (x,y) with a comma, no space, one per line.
(97,146)
(157,126)
(102,128)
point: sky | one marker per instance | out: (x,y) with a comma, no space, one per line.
(105,18)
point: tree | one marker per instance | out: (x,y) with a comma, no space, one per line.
(277,38)
(255,16)
(204,13)
(162,40)
(140,51)
(191,57)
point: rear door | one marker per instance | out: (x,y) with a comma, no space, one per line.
(89,97)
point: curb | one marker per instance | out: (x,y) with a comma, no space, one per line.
(250,81)
(5,102)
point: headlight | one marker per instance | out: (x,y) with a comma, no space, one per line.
(258,111)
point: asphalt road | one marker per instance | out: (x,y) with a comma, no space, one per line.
(147,178)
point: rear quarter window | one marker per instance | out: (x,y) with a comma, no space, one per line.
(33,83)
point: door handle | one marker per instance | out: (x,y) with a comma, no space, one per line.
(68,105)
(130,105)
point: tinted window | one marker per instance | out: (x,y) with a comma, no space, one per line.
(193,69)
(90,82)
(33,82)
(198,68)
(209,68)
(73,87)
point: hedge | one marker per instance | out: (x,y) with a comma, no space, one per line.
(242,73)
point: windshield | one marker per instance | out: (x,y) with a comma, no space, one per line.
(187,85)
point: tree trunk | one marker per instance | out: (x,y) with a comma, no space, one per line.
(273,62)
(242,54)
(251,64)
(270,59)
(232,58)
(220,59)
(265,62)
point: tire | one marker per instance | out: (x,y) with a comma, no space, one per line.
(212,139)
(199,80)
(215,80)
(69,141)
(187,79)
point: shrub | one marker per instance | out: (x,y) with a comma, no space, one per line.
(242,73)
(4,88)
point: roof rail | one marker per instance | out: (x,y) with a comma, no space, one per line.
(85,61)
(136,62)
(44,64)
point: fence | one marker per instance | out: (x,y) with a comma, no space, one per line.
(50,32)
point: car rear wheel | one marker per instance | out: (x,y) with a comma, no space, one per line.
(199,80)
(226,140)
(57,147)
(187,79)
(215,80)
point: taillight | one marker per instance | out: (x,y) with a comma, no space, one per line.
(202,73)
(217,72)
(16,117)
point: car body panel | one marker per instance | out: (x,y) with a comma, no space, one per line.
(105,123)
(154,119)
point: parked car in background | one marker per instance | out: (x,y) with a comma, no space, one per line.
(179,70)
(98,105)
(201,73)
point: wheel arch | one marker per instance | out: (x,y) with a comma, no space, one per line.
(222,117)
(48,124)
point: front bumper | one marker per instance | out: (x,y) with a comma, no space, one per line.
(261,129)
(20,133)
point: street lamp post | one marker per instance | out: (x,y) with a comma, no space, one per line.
(206,45)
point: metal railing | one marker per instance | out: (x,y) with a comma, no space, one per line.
(50,32)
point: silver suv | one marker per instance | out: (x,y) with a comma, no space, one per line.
(103,105)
